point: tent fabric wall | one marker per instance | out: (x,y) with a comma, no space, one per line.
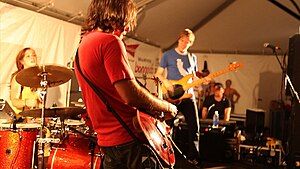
(258,80)
(55,42)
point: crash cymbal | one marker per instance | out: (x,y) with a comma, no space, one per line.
(62,112)
(55,75)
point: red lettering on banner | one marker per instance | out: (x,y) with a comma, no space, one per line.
(144,69)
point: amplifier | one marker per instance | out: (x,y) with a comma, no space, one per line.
(258,154)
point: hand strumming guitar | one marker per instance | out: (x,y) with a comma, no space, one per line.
(171,111)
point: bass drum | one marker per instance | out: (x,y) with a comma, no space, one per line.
(17,146)
(74,153)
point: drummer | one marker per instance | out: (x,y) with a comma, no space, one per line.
(24,98)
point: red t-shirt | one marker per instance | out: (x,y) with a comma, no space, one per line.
(103,61)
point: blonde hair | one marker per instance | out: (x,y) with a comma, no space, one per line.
(187,33)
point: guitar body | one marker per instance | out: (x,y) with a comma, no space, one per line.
(156,133)
(179,88)
(183,84)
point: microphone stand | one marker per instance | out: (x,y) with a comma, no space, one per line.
(294,95)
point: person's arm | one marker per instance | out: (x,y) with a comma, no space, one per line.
(15,91)
(160,75)
(134,95)
(204,112)
(236,93)
(227,113)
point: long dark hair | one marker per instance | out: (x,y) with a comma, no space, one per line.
(109,15)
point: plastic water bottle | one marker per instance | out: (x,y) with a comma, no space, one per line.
(216,120)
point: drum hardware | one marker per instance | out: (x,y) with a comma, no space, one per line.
(48,140)
(92,145)
(43,77)
(15,121)
(78,104)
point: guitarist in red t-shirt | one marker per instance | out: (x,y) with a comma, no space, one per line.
(102,60)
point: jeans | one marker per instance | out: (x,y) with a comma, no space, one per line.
(126,156)
(188,109)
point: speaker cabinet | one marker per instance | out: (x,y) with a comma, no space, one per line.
(293,71)
(294,61)
(255,121)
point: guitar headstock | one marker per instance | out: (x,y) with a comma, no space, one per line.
(234,66)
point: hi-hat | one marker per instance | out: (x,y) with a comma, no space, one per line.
(55,75)
(62,112)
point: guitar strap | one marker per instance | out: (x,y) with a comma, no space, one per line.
(100,94)
(193,62)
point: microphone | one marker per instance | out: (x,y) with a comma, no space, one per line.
(268,45)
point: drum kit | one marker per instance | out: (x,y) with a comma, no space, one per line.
(72,143)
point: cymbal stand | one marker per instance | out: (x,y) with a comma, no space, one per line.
(44,85)
(63,129)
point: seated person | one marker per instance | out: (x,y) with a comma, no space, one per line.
(217,102)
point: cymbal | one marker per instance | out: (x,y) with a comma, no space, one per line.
(62,112)
(55,75)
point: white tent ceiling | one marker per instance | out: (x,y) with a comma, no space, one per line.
(221,26)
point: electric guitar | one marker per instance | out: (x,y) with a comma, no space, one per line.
(181,85)
(157,133)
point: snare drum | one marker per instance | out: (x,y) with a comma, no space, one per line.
(17,146)
(73,153)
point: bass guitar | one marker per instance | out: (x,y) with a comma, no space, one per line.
(183,84)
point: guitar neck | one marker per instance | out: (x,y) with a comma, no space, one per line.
(201,80)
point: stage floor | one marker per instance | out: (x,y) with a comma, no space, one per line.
(183,164)
(219,165)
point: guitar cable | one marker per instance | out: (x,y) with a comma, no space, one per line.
(177,148)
